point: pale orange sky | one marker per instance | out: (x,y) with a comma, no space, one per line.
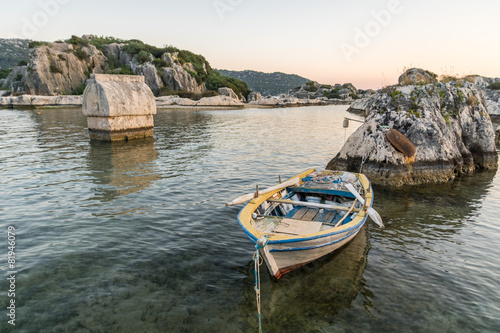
(367,43)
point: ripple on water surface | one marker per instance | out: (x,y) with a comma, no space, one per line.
(135,237)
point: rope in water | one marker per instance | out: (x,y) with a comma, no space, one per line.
(260,244)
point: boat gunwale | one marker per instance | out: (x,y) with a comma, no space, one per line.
(253,234)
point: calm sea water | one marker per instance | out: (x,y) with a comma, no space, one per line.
(135,237)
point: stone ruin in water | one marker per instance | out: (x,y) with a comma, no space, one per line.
(118,107)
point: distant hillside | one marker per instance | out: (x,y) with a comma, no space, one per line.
(267,83)
(12,51)
(63,67)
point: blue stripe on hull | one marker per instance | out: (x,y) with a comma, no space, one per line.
(349,234)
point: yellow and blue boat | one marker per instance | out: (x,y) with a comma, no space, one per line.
(306,217)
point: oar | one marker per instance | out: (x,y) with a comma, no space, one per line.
(312,204)
(250,196)
(371,212)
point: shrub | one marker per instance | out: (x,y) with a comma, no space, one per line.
(215,81)
(210,93)
(22,63)
(448,78)
(79,90)
(77,41)
(472,100)
(494,86)
(311,88)
(18,77)
(331,94)
(55,69)
(142,56)
(5,72)
(100,42)
(34,44)
(81,54)
(160,63)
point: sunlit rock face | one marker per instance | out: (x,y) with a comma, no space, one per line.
(448,124)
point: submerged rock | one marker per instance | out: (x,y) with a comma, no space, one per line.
(448,124)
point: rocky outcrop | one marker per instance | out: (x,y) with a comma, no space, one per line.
(215,101)
(448,124)
(177,78)
(254,97)
(314,90)
(417,76)
(41,101)
(285,101)
(360,105)
(151,77)
(225,91)
(57,69)
(492,95)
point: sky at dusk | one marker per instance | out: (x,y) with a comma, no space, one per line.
(367,43)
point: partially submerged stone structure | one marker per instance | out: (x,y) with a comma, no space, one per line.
(118,107)
(447,123)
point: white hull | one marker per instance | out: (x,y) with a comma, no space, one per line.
(280,262)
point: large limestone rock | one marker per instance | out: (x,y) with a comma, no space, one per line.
(225,91)
(254,97)
(151,77)
(448,124)
(492,95)
(177,78)
(60,68)
(417,76)
(15,81)
(219,101)
(118,107)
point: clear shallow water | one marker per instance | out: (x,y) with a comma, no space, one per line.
(135,237)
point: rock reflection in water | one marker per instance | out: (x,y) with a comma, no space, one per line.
(125,167)
(314,293)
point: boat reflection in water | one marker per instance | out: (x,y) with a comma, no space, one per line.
(310,295)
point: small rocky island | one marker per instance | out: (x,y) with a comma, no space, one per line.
(447,122)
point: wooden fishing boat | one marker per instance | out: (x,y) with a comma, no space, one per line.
(306,217)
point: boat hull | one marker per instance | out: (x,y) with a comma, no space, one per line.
(306,231)
(282,258)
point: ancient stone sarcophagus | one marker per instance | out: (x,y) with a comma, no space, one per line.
(118,107)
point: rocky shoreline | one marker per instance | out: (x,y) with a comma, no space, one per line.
(167,102)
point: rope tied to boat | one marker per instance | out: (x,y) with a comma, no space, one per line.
(362,162)
(261,243)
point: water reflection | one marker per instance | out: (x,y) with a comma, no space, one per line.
(121,168)
(437,211)
(308,298)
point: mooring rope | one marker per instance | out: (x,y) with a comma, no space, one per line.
(362,162)
(260,244)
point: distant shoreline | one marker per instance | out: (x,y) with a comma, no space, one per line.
(75,101)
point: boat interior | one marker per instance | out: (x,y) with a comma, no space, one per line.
(317,205)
